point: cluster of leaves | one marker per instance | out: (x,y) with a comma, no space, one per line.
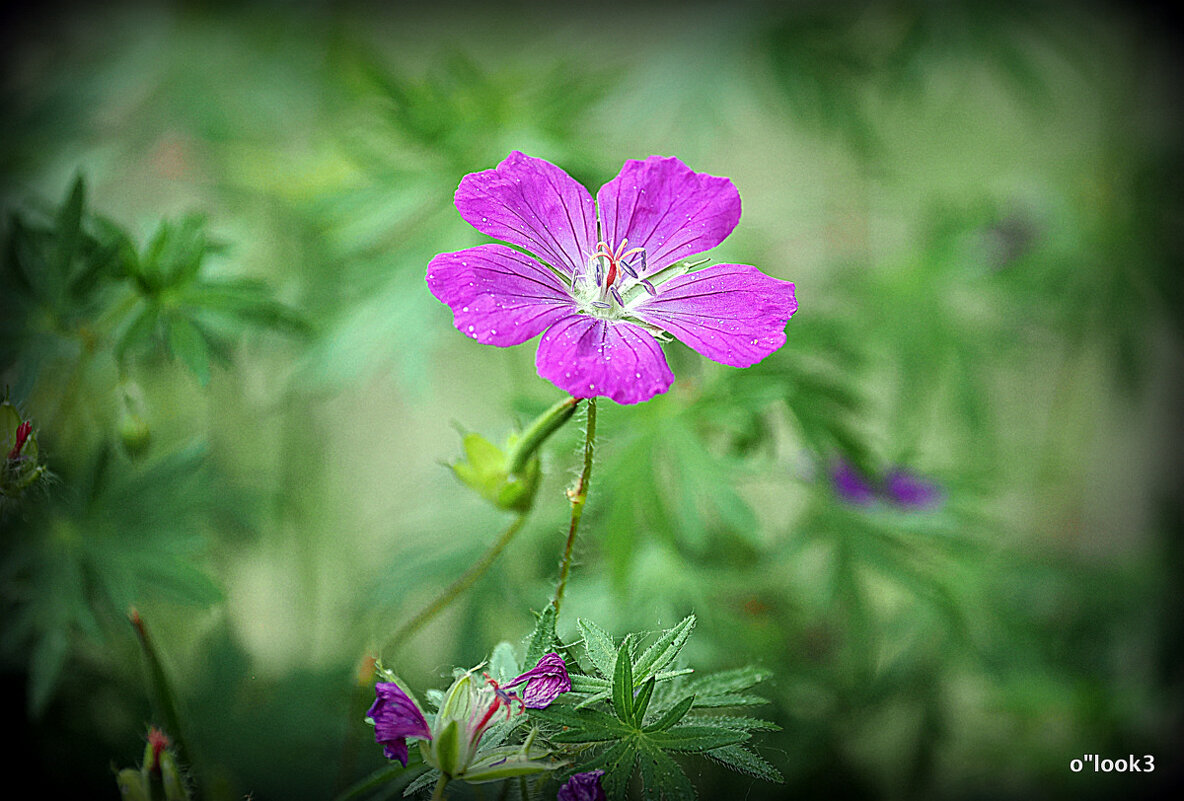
(77,282)
(83,310)
(633,709)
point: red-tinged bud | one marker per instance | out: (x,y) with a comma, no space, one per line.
(22,435)
(158,741)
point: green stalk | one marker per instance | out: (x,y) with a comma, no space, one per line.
(456,588)
(578,495)
(543,426)
(162,690)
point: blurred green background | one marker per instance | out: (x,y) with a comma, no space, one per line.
(979,204)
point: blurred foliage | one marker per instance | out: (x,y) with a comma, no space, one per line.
(979,204)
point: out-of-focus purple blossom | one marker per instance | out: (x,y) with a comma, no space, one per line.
(906,488)
(582,787)
(851,486)
(396,717)
(593,282)
(544,682)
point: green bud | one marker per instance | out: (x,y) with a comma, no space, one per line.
(507,477)
(134,434)
(170,778)
(132,786)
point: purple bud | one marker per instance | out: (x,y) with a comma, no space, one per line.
(544,682)
(582,787)
(396,717)
(850,485)
(908,489)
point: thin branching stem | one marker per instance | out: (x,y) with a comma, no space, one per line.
(578,495)
(454,590)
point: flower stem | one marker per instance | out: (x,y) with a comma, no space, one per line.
(164,697)
(457,587)
(544,426)
(578,495)
(438,793)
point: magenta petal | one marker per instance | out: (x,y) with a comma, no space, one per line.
(396,717)
(662,205)
(544,682)
(589,357)
(732,313)
(535,205)
(498,296)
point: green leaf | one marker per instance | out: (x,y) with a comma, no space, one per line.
(729,699)
(588,684)
(503,665)
(543,639)
(665,649)
(742,760)
(623,684)
(583,725)
(69,228)
(672,715)
(642,701)
(737,722)
(187,343)
(617,763)
(425,780)
(599,647)
(728,681)
(696,738)
(45,668)
(662,778)
(447,748)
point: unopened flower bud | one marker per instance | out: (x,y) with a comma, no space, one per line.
(507,477)
(134,434)
(20,467)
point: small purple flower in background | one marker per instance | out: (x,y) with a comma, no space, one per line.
(544,682)
(595,292)
(851,486)
(900,487)
(582,787)
(396,717)
(905,488)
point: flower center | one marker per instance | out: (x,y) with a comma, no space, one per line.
(608,273)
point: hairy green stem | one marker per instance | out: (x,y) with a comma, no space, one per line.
(577,495)
(543,426)
(456,588)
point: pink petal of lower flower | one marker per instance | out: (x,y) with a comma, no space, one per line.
(589,357)
(660,204)
(498,296)
(732,313)
(535,205)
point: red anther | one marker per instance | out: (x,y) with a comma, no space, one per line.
(22,435)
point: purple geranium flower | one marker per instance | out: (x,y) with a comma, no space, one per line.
(851,486)
(396,717)
(594,289)
(582,787)
(544,682)
(906,488)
